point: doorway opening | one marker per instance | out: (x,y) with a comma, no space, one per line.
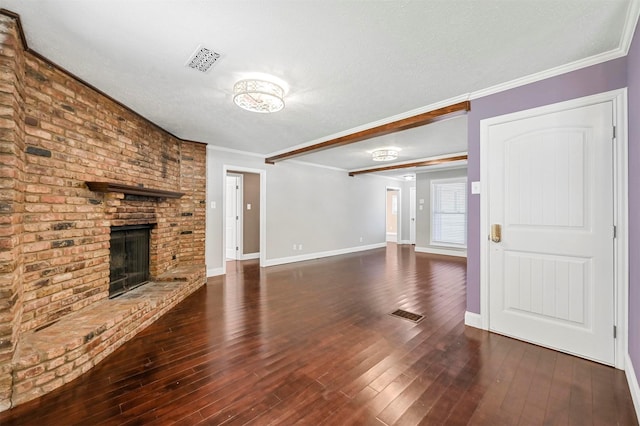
(392,222)
(244,216)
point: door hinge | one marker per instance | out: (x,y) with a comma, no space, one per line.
(237,249)
(615,332)
(237,217)
(614,132)
(615,232)
(237,187)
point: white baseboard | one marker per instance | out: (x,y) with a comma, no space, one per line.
(473,320)
(318,255)
(632,380)
(214,272)
(444,251)
(404,242)
(251,256)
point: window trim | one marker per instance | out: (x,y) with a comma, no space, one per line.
(433,183)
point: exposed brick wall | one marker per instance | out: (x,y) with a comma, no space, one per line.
(11,199)
(192,205)
(74,135)
(56,134)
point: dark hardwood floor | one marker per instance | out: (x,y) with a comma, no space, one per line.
(312,343)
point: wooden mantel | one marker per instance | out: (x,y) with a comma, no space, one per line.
(132,190)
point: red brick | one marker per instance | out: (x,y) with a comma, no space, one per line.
(90,138)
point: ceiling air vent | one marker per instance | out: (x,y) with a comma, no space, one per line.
(202,59)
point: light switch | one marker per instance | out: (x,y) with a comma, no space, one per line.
(248,206)
(475,187)
(213,204)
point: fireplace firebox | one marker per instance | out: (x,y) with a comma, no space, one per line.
(129,258)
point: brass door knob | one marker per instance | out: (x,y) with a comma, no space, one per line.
(496,233)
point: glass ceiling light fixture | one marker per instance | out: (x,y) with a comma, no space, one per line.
(258,96)
(384,155)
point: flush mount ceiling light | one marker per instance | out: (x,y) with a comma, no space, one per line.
(384,155)
(258,96)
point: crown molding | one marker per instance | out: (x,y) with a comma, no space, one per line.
(234,151)
(630,25)
(27,49)
(322,166)
(543,75)
(633,12)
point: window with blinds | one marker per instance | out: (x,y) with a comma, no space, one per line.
(449,212)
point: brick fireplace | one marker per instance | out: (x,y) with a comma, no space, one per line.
(74,163)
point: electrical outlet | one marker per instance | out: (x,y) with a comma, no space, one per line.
(299,246)
(361,239)
(295,247)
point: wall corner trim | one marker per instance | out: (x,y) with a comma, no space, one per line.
(632,381)
(473,320)
(442,251)
(251,256)
(214,272)
(319,255)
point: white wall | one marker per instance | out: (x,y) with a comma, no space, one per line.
(423,217)
(324,210)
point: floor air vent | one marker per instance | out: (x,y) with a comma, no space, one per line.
(410,316)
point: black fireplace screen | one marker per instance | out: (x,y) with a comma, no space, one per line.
(129,258)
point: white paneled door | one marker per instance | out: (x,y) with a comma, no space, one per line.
(412,213)
(232,216)
(551,265)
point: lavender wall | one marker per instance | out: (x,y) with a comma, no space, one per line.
(588,81)
(633,84)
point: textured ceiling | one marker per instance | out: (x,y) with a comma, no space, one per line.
(346,63)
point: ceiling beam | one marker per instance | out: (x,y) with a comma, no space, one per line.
(408,165)
(381,130)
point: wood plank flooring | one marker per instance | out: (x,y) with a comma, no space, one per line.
(313,343)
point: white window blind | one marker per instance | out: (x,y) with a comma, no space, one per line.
(449,213)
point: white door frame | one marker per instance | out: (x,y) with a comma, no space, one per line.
(238,254)
(620,171)
(263,211)
(399,215)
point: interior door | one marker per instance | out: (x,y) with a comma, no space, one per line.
(412,213)
(551,279)
(231,208)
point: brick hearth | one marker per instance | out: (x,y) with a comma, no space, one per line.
(48,358)
(56,134)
